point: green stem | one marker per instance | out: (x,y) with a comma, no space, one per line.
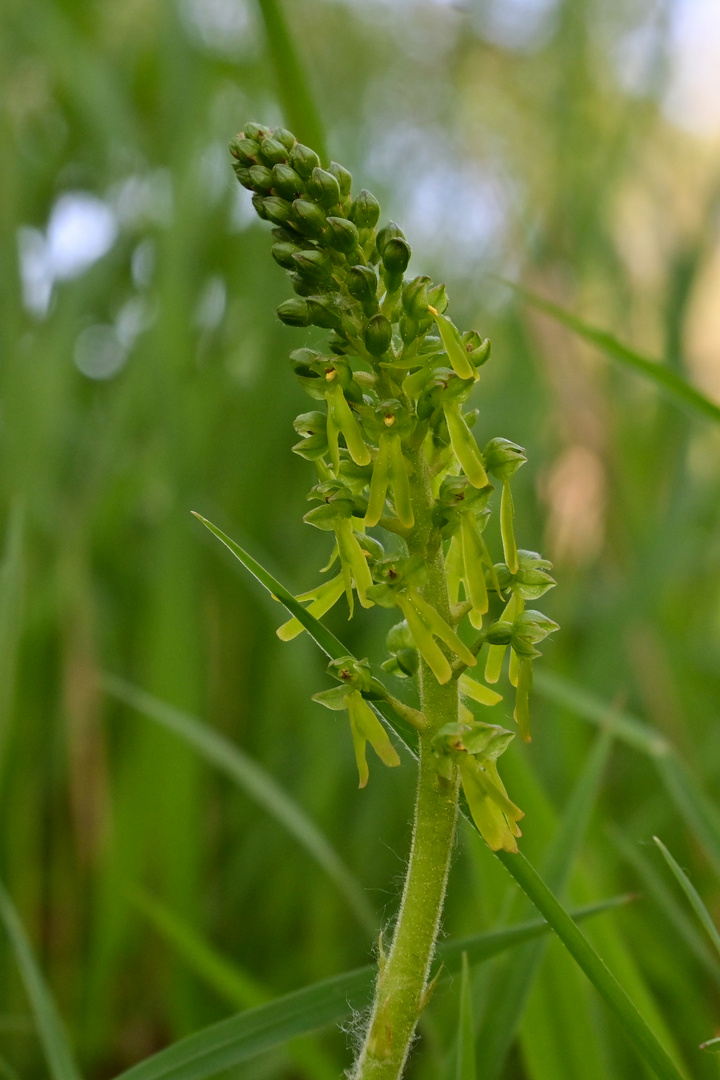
(402,989)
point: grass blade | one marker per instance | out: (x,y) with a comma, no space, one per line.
(58,1055)
(293,85)
(634,1025)
(512,988)
(320,634)
(239,1038)
(655,888)
(255,782)
(692,894)
(698,812)
(225,977)
(466,1042)
(667,380)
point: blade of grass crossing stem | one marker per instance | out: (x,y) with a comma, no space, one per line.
(466,1035)
(559,1040)
(293,85)
(692,894)
(320,634)
(513,985)
(58,1055)
(255,782)
(667,380)
(225,977)
(239,1038)
(698,812)
(634,1025)
(654,886)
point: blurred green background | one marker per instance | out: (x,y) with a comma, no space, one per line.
(572,145)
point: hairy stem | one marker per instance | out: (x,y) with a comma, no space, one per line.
(402,989)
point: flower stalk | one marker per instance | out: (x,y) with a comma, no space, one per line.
(393,449)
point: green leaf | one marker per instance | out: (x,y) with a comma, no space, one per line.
(232,1041)
(292,81)
(692,894)
(327,641)
(655,371)
(634,1025)
(466,1040)
(513,984)
(58,1055)
(699,813)
(226,977)
(255,782)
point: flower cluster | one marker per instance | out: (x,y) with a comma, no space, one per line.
(389,423)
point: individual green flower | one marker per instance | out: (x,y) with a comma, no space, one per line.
(355,677)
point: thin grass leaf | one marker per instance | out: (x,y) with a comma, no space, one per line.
(225,977)
(327,641)
(692,894)
(672,384)
(56,1048)
(655,887)
(466,1035)
(634,1025)
(292,81)
(699,813)
(627,728)
(256,783)
(513,985)
(239,1038)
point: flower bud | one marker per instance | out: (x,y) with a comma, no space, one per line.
(365,210)
(286,182)
(342,235)
(321,313)
(261,177)
(313,265)
(258,202)
(285,137)
(343,177)
(323,187)
(256,131)
(362,284)
(503,458)
(308,218)
(243,175)
(245,150)
(272,152)
(437,298)
(378,335)
(294,312)
(388,232)
(409,329)
(415,298)
(302,286)
(303,160)
(396,255)
(279,211)
(283,253)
